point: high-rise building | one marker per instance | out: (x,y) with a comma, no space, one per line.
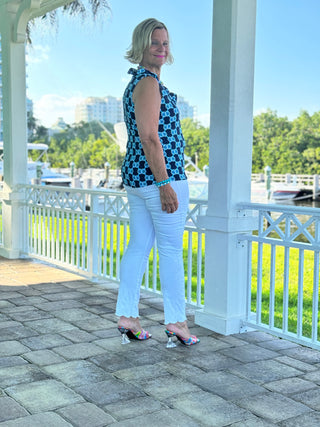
(106,110)
(114,113)
(91,109)
(110,109)
(185,109)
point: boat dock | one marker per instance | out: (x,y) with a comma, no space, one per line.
(283,186)
(290,186)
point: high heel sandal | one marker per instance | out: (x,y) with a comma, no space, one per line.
(190,341)
(128,333)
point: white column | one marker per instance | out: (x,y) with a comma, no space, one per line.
(14,134)
(14,16)
(230,165)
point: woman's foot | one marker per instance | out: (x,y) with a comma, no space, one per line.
(130,327)
(179,328)
(131,323)
(181,331)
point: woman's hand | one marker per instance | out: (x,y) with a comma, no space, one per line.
(168,198)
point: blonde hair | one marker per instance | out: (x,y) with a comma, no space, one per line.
(141,39)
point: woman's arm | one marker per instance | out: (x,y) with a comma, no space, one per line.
(147,101)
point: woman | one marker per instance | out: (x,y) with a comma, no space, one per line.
(156,185)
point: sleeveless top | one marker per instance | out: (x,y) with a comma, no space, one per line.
(135,170)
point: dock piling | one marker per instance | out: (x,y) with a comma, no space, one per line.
(316,191)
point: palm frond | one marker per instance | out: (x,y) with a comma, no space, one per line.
(77,8)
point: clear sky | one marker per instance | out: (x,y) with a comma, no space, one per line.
(82,60)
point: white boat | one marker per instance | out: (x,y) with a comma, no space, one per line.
(37,167)
(288,192)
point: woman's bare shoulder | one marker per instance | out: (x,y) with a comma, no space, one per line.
(148,85)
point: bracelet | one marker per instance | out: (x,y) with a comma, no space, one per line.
(164,182)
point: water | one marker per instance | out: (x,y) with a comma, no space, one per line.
(306,203)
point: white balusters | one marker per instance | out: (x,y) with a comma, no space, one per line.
(290,234)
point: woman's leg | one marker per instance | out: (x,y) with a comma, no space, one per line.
(134,261)
(169,229)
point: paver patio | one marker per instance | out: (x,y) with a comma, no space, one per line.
(62,363)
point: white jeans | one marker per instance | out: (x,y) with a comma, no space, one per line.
(147,222)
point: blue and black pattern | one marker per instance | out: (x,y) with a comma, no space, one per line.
(135,170)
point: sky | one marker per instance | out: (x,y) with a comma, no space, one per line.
(77,60)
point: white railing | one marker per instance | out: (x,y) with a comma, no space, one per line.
(88,230)
(288,178)
(99,174)
(298,179)
(283,276)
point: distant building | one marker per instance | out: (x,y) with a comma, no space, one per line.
(114,113)
(57,127)
(91,109)
(185,109)
(109,109)
(106,110)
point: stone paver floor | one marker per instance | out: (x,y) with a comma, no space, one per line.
(62,363)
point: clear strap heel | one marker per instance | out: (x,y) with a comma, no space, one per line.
(190,341)
(123,332)
(170,343)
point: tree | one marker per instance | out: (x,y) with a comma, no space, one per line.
(312,157)
(87,145)
(56,155)
(269,132)
(31,124)
(197,141)
(287,147)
